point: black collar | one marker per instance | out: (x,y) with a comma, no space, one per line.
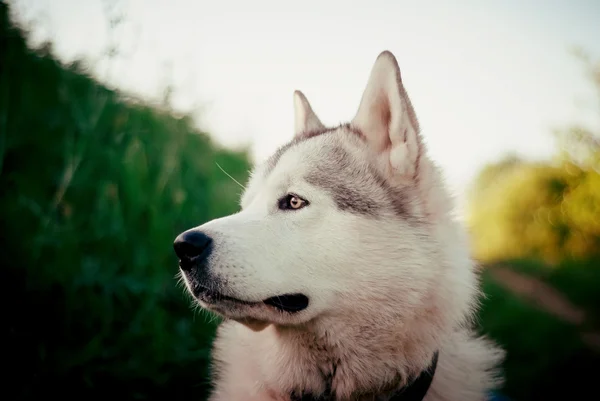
(415,391)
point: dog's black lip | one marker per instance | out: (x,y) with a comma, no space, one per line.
(291,303)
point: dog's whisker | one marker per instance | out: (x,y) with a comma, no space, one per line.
(230,176)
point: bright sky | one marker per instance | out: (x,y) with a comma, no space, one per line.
(486,78)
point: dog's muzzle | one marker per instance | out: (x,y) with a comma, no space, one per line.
(193,249)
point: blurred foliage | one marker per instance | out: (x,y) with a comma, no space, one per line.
(548,210)
(541,219)
(535,209)
(93,190)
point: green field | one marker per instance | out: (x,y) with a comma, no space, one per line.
(547,357)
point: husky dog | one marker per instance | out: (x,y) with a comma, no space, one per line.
(344,275)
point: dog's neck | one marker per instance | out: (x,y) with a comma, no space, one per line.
(356,362)
(415,390)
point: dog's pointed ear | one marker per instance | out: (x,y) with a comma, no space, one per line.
(305,118)
(386,118)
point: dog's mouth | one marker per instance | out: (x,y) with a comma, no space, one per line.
(290,303)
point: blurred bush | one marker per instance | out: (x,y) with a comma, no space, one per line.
(536,209)
(93,190)
(541,220)
(548,210)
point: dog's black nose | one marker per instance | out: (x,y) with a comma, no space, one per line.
(192,246)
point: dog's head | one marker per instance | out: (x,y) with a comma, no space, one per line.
(351,218)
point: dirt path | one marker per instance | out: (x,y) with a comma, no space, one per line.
(546,298)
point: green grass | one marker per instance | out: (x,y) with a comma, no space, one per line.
(578,280)
(546,357)
(93,190)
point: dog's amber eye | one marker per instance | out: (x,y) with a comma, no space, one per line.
(292,202)
(296,203)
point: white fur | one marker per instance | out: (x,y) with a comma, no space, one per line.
(384,115)
(305,118)
(385,291)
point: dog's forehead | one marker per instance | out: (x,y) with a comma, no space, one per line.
(317,146)
(335,161)
(309,156)
(316,157)
(293,163)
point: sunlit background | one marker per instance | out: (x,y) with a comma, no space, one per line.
(486,78)
(115,113)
